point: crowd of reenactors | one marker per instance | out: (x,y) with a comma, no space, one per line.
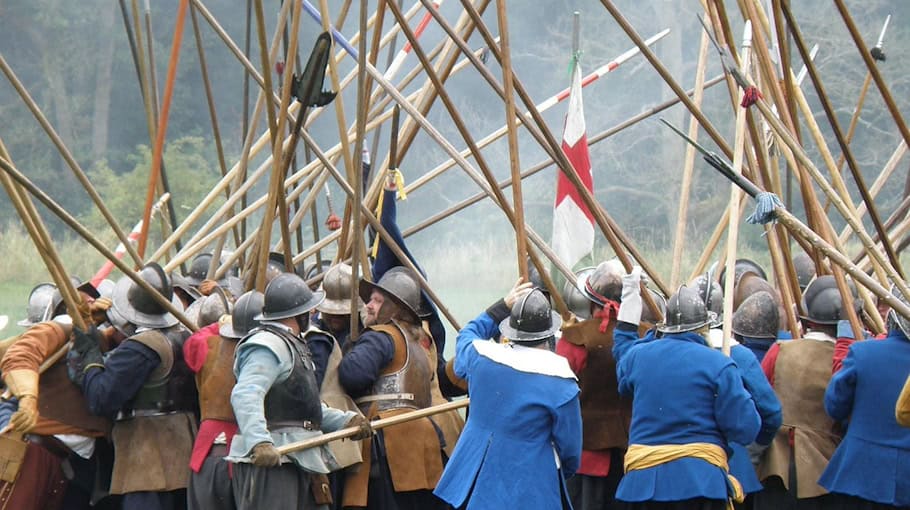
(607,407)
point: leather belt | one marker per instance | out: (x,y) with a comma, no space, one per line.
(142,413)
(386,396)
(53,445)
(300,424)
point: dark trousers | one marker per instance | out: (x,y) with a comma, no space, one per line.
(211,487)
(274,488)
(776,497)
(597,492)
(41,484)
(172,500)
(382,495)
(855,503)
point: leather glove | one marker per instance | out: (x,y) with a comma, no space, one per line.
(207,287)
(98,311)
(85,354)
(631,305)
(265,455)
(26,417)
(23,383)
(363,424)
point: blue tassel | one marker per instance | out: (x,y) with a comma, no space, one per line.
(765,203)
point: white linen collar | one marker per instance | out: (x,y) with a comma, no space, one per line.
(525,359)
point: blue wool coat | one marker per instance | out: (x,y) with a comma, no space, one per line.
(683,392)
(768,407)
(518,420)
(873,460)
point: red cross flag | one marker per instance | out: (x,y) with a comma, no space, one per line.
(573,223)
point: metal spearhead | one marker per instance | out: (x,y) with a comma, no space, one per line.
(726,60)
(307,87)
(877,52)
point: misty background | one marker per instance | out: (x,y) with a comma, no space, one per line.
(74,59)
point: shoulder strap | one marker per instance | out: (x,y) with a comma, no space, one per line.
(156,341)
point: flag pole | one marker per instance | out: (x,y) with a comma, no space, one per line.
(515,165)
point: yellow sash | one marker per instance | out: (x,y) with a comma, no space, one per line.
(640,456)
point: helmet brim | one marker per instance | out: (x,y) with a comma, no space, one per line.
(685,328)
(365,288)
(301,309)
(155,321)
(516,335)
(336,307)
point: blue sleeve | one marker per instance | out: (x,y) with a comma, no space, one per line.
(481,327)
(320,348)
(841,389)
(125,370)
(361,366)
(7,408)
(385,257)
(763,395)
(625,336)
(257,370)
(734,409)
(567,434)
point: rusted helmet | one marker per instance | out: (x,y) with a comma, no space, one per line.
(742,266)
(243,318)
(647,315)
(757,316)
(805,269)
(749,284)
(685,312)
(604,283)
(213,307)
(822,301)
(531,320)
(138,306)
(398,284)
(337,286)
(287,295)
(574,295)
(40,305)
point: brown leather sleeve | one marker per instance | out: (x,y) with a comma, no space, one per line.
(33,347)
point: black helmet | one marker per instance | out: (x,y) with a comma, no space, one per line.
(605,282)
(647,316)
(138,306)
(337,286)
(742,266)
(199,269)
(531,320)
(288,296)
(40,305)
(400,285)
(757,316)
(805,269)
(575,297)
(902,323)
(81,288)
(243,319)
(182,286)
(822,301)
(685,312)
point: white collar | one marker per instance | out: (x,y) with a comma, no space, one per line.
(818,335)
(716,338)
(525,359)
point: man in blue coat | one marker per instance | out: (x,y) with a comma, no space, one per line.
(688,402)
(871,466)
(523,437)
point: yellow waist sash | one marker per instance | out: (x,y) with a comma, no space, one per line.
(640,456)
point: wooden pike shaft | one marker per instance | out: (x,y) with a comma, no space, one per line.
(521,239)
(879,183)
(64,216)
(377,226)
(376,425)
(362,107)
(617,239)
(68,157)
(844,144)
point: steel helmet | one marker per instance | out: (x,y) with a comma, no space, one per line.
(685,312)
(400,286)
(531,320)
(337,286)
(805,269)
(243,319)
(40,304)
(757,316)
(138,306)
(574,295)
(604,283)
(199,269)
(822,301)
(288,296)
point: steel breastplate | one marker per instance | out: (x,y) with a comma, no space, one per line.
(405,382)
(294,401)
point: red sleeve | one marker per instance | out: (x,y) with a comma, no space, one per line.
(576,354)
(841,348)
(768,362)
(196,347)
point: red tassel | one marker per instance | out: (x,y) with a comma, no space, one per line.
(750,96)
(606,314)
(333,222)
(279,67)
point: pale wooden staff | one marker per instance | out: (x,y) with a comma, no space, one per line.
(375,425)
(879,183)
